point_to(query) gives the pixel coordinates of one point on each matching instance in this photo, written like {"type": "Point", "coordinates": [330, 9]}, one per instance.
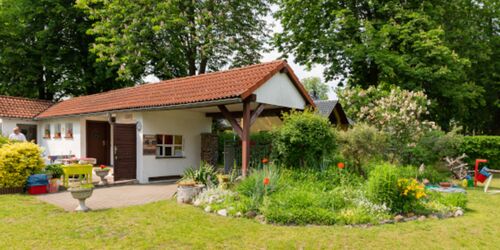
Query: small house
{"type": "Point", "coordinates": [155, 131]}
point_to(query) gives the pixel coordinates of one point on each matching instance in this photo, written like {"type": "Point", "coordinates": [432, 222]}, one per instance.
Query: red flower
{"type": "Point", "coordinates": [266, 181]}
{"type": "Point", "coordinates": [265, 161]}
{"type": "Point", "coordinates": [102, 166]}
{"type": "Point", "coordinates": [340, 165]}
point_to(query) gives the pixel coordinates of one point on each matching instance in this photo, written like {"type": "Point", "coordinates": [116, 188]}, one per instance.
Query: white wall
{"type": "Point", "coordinates": [189, 124]}
{"type": "Point", "coordinates": [8, 124]}
{"type": "Point", "coordinates": [62, 146]}
{"type": "Point", "coordinates": [280, 91]}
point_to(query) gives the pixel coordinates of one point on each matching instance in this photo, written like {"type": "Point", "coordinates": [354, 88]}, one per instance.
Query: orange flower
{"type": "Point", "coordinates": [266, 181]}
{"type": "Point", "coordinates": [265, 161]}
{"type": "Point", "coordinates": [340, 165]}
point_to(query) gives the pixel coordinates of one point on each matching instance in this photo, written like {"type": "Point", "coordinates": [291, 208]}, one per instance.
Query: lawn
{"type": "Point", "coordinates": [26, 223]}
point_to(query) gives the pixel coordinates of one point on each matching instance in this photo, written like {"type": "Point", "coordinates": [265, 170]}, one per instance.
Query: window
{"type": "Point", "coordinates": [46, 131]}
{"type": "Point", "coordinates": [57, 130]}
{"type": "Point", "coordinates": [69, 130]}
{"type": "Point", "coordinates": [169, 146]}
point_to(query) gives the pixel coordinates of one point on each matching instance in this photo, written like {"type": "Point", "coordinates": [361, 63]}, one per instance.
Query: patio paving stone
{"type": "Point", "coordinates": [115, 196]}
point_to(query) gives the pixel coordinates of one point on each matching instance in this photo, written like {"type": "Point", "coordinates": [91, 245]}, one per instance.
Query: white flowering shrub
{"type": "Point", "coordinates": [399, 113]}
{"type": "Point", "coordinates": [213, 196]}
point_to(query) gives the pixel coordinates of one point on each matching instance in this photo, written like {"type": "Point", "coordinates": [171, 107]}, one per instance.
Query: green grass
{"type": "Point", "coordinates": [26, 223]}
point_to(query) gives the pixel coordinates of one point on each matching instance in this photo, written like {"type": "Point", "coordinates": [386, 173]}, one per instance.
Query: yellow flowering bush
{"type": "Point", "coordinates": [411, 188]}
{"type": "Point", "coordinates": [17, 162]}
{"type": "Point", "coordinates": [411, 191]}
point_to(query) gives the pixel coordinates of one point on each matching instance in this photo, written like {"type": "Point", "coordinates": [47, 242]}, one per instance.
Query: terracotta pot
{"type": "Point", "coordinates": [445, 184]}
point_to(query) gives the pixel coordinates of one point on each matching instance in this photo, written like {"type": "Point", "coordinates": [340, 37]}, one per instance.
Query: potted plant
{"type": "Point", "coordinates": [47, 133]}
{"type": "Point", "coordinates": [55, 172]}
{"type": "Point", "coordinates": [102, 171]}
{"type": "Point", "coordinates": [81, 191]}
{"type": "Point", "coordinates": [186, 190]}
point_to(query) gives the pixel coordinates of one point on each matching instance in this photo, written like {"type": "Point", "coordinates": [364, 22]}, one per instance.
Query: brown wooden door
{"type": "Point", "coordinates": [125, 151]}
{"type": "Point", "coordinates": [98, 141]}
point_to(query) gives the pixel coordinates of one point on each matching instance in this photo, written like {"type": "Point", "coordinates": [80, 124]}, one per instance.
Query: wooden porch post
{"type": "Point", "coordinates": [243, 131]}
{"type": "Point", "coordinates": [245, 138]}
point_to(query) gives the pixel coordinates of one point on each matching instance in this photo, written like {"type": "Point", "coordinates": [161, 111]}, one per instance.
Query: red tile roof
{"type": "Point", "coordinates": [18, 107]}
{"type": "Point", "coordinates": [233, 83]}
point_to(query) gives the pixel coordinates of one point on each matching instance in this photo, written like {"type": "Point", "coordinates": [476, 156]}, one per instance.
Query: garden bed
{"type": "Point", "coordinates": [331, 197]}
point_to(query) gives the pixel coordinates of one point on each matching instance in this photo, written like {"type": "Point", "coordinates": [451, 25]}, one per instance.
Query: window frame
{"type": "Point", "coordinates": [57, 129]}
{"type": "Point", "coordinates": [66, 127]}
{"type": "Point", "coordinates": [173, 145]}
{"type": "Point", "coordinates": [46, 128]}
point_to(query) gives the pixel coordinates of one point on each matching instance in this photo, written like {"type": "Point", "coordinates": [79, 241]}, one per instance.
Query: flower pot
{"type": "Point", "coordinates": [185, 194]}
{"type": "Point", "coordinates": [102, 174]}
{"type": "Point", "coordinates": [54, 185]}
{"type": "Point", "coordinates": [81, 194]}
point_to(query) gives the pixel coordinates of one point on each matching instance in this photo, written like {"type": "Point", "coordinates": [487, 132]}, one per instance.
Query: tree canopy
{"type": "Point", "coordinates": [44, 51]}
{"type": "Point", "coordinates": [446, 48]}
{"type": "Point", "coordinates": [317, 89]}
{"type": "Point", "coordinates": [175, 37]}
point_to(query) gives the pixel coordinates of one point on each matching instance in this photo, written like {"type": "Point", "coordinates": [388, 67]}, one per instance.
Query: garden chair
{"type": "Point", "coordinates": [488, 182]}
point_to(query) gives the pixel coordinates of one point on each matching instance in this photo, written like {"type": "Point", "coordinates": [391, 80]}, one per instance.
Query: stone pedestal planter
{"type": "Point", "coordinates": [185, 194]}
{"type": "Point", "coordinates": [102, 174]}
{"type": "Point", "coordinates": [81, 194]}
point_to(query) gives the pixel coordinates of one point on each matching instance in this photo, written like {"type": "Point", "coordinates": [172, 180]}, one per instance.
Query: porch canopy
{"type": "Point", "coordinates": [250, 92]}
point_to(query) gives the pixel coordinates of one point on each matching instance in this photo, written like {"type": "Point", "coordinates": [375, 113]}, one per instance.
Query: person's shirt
{"type": "Point", "coordinates": [17, 137]}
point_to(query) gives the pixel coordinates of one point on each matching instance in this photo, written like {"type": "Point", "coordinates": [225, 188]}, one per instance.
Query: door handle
{"type": "Point", "coordinates": [104, 143]}
{"type": "Point", "coordinates": [115, 150]}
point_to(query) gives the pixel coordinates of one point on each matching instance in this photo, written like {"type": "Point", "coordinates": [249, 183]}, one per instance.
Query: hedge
{"type": "Point", "coordinates": [482, 147]}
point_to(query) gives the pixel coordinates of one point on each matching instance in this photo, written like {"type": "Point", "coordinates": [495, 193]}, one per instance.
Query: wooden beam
{"type": "Point", "coordinates": [239, 114]}
{"type": "Point", "coordinates": [256, 113]}
{"type": "Point", "coordinates": [245, 138]}
{"type": "Point", "coordinates": [228, 116]}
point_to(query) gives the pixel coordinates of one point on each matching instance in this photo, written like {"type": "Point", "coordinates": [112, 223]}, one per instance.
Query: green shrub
{"type": "Point", "coordinates": [303, 206]}
{"type": "Point", "coordinates": [3, 141]}
{"type": "Point", "coordinates": [451, 200]}
{"type": "Point", "coordinates": [253, 185]}
{"type": "Point", "coordinates": [205, 174]}
{"type": "Point", "coordinates": [382, 186]}
{"type": "Point", "coordinates": [17, 162]}
{"type": "Point", "coordinates": [482, 147]}
{"type": "Point", "coordinates": [355, 215]}
{"type": "Point", "coordinates": [304, 140]}
{"type": "Point", "coordinates": [432, 147]}
{"type": "Point", "coordinates": [361, 144]}
{"type": "Point", "coordinates": [325, 179]}
{"type": "Point", "coordinates": [430, 173]}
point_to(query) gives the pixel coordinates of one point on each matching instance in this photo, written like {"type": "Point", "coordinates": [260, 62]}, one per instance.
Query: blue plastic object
{"type": "Point", "coordinates": [37, 180]}
{"type": "Point", "coordinates": [484, 171]}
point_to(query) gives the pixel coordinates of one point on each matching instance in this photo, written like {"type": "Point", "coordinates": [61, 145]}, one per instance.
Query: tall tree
{"type": "Point", "coordinates": [317, 89]}
{"type": "Point", "coordinates": [406, 43]}
{"type": "Point", "coordinates": [170, 38]}
{"type": "Point", "coordinates": [44, 51]}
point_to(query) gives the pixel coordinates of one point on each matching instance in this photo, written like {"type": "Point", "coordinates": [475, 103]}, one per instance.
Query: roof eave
{"type": "Point", "coordinates": [152, 108]}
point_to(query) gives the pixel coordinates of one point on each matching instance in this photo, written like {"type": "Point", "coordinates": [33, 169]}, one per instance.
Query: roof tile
{"type": "Point", "coordinates": [231, 83]}
{"type": "Point", "coordinates": [19, 107]}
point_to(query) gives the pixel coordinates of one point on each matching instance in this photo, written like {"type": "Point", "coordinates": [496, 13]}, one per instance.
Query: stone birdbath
{"type": "Point", "coordinates": [81, 193]}
{"type": "Point", "coordinates": [102, 171]}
